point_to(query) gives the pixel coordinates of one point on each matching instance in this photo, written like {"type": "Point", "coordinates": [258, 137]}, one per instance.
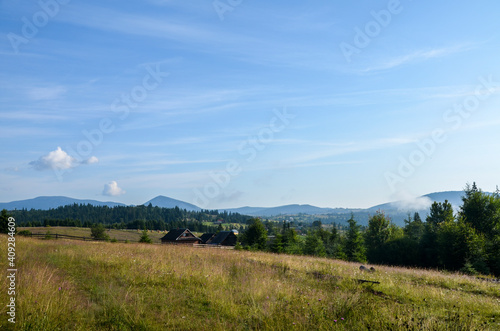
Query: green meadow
{"type": "Point", "coordinates": [130, 235]}
{"type": "Point", "coordinates": [76, 285]}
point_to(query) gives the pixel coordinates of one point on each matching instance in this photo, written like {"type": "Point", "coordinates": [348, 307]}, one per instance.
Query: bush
{"type": "Point", "coordinates": [24, 233]}
{"type": "Point", "coordinates": [145, 238]}
{"type": "Point", "coordinates": [98, 232]}
{"type": "Point", "coordinates": [238, 246]}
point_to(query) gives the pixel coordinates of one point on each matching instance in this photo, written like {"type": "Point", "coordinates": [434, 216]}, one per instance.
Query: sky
{"type": "Point", "coordinates": [237, 103]}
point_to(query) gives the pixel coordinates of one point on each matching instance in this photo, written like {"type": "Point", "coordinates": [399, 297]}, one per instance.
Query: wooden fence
{"type": "Point", "coordinates": [213, 246]}
{"type": "Point", "coordinates": [65, 236]}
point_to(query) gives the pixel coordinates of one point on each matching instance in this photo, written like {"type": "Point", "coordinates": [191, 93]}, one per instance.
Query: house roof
{"type": "Point", "coordinates": [175, 235]}
{"type": "Point", "coordinates": [206, 237]}
{"type": "Point", "coordinates": [221, 237]}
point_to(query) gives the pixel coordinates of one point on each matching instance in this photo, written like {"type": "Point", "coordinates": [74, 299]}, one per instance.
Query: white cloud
{"type": "Point", "coordinates": [46, 93]}
{"type": "Point", "coordinates": [112, 189]}
{"type": "Point", "coordinates": [59, 160]}
{"type": "Point", "coordinates": [91, 160]}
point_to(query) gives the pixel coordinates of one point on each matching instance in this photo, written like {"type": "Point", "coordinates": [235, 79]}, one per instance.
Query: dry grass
{"type": "Point", "coordinates": [107, 286]}
{"type": "Point", "coordinates": [130, 235]}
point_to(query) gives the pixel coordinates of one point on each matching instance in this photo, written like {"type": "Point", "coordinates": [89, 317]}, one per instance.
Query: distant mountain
{"type": "Point", "coordinates": [397, 210]}
{"type": "Point", "coordinates": [46, 203]}
{"type": "Point", "coordinates": [453, 197]}
{"type": "Point", "coordinates": [422, 203]}
{"type": "Point", "coordinates": [166, 202]}
{"type": "Point", "coordinates": [287, 210]}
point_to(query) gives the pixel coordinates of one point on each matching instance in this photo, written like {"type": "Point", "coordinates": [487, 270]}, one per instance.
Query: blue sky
{"type": "Point", "coordinates": [233, 103]}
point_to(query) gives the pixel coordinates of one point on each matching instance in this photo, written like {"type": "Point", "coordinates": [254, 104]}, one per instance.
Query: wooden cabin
{"type": "Point", "coordinates": [206, 238]}
{"type": "Point", "coordinates": [180, 236]}
{"type": "Point", "coordinates": [224, 238]}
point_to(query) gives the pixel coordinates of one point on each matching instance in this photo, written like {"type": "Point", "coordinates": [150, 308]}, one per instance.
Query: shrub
{"type": "Point", "coordinates": [24, 233]}
{"type": "Point", "coordinates": [145, 238]}
{"type": "Point", "coordinates": [98, 232]}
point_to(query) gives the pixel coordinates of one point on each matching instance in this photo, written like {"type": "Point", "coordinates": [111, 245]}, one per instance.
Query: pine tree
{"type": "Point", "coordinates": [145, 238]}
{"type": "Point", "coordinates": [4, 221]}
{"type": "Point", "coordinates": [277, 245]}
{"type": "Point", "coordinates": [440, 213]}
{"type": "Point", "coordinates": [376, 236]}
{"type": "Point", "coordinates": [256, 235]}
{"type": "Point", "coordinates": [314, 245]}
{"type": "Point", "coordinates": [354, 248]}
{"type": "Point", "coordinates": [98, 232]}
{"type": "Point", "coordinates": [481, 210]}
{"type": "Point", "coordinates": [414, 228]}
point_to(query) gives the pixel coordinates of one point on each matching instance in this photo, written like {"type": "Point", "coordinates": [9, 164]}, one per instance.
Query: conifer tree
{"type": "Point", "coordinates": [354, 248]}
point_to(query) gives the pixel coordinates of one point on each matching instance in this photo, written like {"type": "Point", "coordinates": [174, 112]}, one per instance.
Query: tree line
{"type": "Point", "coordinates": [468, 241]}
{"type": "Point", "coordinates": [126, 217]}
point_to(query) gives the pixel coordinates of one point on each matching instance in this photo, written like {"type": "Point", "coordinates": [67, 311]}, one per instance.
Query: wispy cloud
{"type": "Point", "coordinates": [317, 151]}
{"type": "Point", "coordinates": [139, 25]}
{"type": "Point", "coordinates": [417, 56]}
{"type": "Point", "coordinates": [46, 93]}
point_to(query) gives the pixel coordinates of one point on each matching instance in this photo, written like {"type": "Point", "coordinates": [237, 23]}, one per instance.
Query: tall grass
{"type": "Point", "coordinates": [71, 285]}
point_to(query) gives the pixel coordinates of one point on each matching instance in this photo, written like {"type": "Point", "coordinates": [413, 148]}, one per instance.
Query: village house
{"type": "Point", "coordinates": [224, 238]}
{"type": "Point", "coordinates": [180, 236]}
{"type": "Point", "coordinates": [206, 238]}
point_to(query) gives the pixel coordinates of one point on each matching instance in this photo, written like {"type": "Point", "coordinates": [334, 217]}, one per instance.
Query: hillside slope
{"type": "Point", "coordinates": [91, 286]}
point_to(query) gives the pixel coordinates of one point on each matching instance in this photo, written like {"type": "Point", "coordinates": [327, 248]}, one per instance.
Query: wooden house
{"type": "Point", "coordinates": [180, 236]}
{"type": "Point", "coordinates": [206, 238]}
{"type": "Point", "coordinates": [224, 238]}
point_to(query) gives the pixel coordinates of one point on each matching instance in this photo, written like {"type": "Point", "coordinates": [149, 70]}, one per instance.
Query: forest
{"type": "Point", "coordinates": [466, 241]}
{"type": "Point", "coordinates": [129, 217]}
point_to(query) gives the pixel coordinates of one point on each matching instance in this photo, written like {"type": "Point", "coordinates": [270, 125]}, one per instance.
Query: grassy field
{"type": "Point", "coordinates": [76, 285]}
{"type": "Point", "coordinates": [130, 235]}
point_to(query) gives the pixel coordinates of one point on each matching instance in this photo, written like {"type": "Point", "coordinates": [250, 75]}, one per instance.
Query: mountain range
{"type": "Point", "coordinates": [420, 204]}
{"type": "Point", "coordinates": [51, 202]}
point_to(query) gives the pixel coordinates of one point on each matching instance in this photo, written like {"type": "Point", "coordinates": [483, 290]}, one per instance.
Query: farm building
{"type": "Point", "coordinates": [180, 236]}
{"type": "Point", "coordinates": [224, 238]}
{"type": "Point", "coordinates": [206, 238]}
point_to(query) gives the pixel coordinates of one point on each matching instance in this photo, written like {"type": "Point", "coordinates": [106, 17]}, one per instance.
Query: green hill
{"type": "Point", "coordinates": [73, 285]}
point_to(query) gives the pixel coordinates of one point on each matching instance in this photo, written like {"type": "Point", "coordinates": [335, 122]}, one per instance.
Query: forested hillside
{"type": "Point", "coordinates": [138, 217]}
{"type": "Point", "coordinates": [468, 241]}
